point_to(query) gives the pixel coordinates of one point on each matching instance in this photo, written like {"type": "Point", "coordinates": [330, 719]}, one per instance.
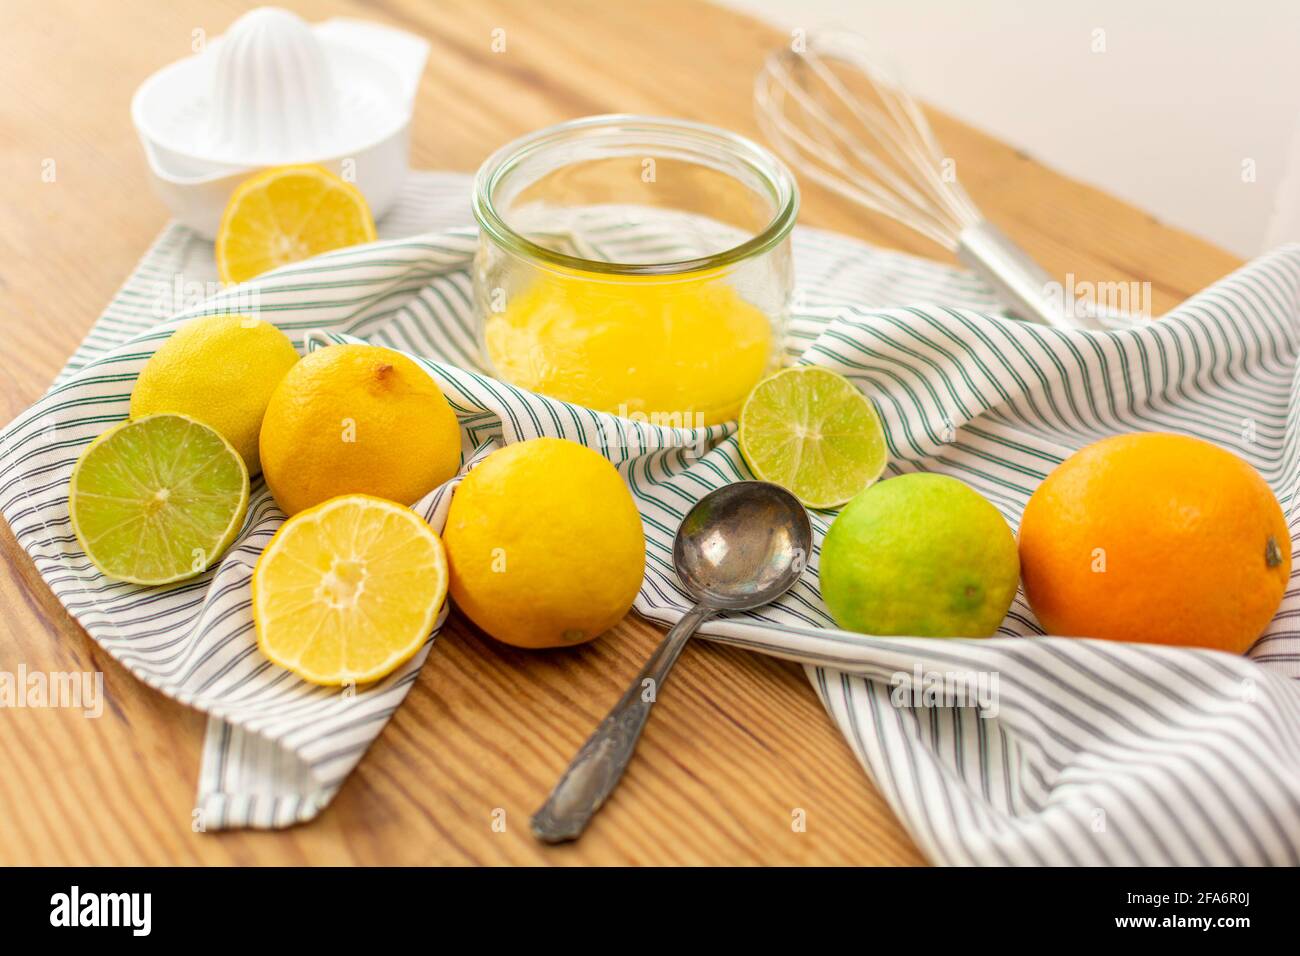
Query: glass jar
{"type": "Point", "coordinates": [635, 265]}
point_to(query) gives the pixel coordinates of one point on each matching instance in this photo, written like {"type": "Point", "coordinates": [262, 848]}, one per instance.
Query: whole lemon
{"type": "Point", "coordinates": [1155, 538]}
{"type": "Point", "coordinates": [544, 544]}
{"type": "Point", "coordinates": [920, 555]}
{"type": "Point", "coordinates": [221, 371]}
{"type": "Point", "coordinates": [357, 419]}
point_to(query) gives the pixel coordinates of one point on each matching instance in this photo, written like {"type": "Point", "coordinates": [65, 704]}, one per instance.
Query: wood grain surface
{"type": "Point", "coordinates": [738, 742]}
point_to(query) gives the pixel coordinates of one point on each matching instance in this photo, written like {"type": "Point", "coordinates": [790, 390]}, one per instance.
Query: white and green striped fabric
{"type": "Point", "coordinates": [1082, 751]}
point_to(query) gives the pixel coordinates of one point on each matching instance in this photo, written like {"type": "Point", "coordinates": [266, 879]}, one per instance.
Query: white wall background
{"type": "Point", "coordinates": [1183, 95]}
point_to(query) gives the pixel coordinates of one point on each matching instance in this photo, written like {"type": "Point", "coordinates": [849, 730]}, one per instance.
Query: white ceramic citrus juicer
{"type": "Point", "coordinates": [275, 90]}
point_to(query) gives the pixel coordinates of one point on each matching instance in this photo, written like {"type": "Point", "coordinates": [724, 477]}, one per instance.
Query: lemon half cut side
{"type": "Point", "coordinates": [287, 214]}
{"type": "Point", "coordinates": [347, 591]}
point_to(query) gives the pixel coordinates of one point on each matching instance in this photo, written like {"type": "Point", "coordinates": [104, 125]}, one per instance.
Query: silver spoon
{"type": "Point", "coordinates": [740, 547]}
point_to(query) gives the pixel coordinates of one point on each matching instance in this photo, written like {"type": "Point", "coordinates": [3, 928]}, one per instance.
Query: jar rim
{"type": "Point", "coordinates": [771, 172]}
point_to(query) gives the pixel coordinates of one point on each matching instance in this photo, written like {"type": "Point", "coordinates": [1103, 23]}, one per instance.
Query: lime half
{"type": "Point", "coordinates": [810, 430]}
{"type": "Point", "coordinates": [157, 499]}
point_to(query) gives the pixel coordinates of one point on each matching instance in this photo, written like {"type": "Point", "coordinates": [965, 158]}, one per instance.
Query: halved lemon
{"type": "Point", "coordinates": [287, 214]}
{"type": "Point", "coordinates": [346, 592]}
{"type": "Point", "coordinates": [813, 432]}
{"type": "Point", "coordinates": [157, 499]}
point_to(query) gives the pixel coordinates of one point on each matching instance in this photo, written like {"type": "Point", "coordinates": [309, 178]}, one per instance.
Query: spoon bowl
{"type": "Point", "coordinates": [742, 546]}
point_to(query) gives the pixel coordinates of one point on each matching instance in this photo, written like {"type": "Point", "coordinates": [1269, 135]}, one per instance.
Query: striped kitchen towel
{"type": "Point", "coordinates": [1039, 751]}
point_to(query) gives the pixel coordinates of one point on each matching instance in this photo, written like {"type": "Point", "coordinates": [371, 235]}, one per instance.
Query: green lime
{"type": "Point", "coordinates": [921, 555]}
{"type": "Point", "coordinates": [157, 499]}
{"type": "Point", "coordinates": [810, 430]}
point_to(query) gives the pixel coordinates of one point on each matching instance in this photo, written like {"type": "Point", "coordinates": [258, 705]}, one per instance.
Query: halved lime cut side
{"type": "Point", "coordinates": [157, 499]}
{"type": "Point", "coordinates": [811, 431]}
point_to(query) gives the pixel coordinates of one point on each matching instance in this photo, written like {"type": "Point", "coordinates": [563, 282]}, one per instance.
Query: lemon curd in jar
{"type": "Point", "coordinates": [682, 351]}
{"type": "Point", "coordinates": [635, 266]}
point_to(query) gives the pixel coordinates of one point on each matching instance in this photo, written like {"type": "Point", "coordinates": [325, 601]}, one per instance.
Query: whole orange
{"type": "Point", "coordinates": [1155, 538]}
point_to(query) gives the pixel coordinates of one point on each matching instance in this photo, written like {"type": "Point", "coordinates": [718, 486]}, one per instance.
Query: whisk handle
{"type": "Point", "coordinates": [1020, 282]}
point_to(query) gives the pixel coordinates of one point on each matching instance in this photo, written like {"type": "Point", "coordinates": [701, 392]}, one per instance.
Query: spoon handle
{"type": "Point", "coordinates": [597, 768]}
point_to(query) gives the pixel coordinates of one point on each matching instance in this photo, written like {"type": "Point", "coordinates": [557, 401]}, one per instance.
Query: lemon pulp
{"type": "Point", "coordinates": [286, 214]}
{"type": "Point", "coordinates": [682, 350]}
{"type": "Point", "coordinates": [348, 591]}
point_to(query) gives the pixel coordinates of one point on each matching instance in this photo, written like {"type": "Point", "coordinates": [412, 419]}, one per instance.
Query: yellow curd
{"type": "Point", "coordinates": [683, 350]}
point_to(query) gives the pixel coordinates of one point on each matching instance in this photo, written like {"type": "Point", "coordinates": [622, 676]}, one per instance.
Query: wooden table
{"type": "Point", "coordinates": [739, 741]}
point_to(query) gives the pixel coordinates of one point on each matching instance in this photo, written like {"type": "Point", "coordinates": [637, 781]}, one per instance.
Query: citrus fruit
{"type": "Point", "coordinates": [221, 370]}
{"type": "Point", "coordinates": [357, 419]}
{"type": "Point", "coordinates": [545, 544]}
{"type": "Point", "coordinates": [286, 214]}
{"type": "Point", "coordinates": [1155, 538]}
{"type": "Point", "coordinates": [346, 592]}
{"type": "Point", "coordinates": [813, 432]}
{"type": "Point", "coordinates": [921, 555]}
{"type": "Point", "coordinates": [681, 350]}
{"type": "Point", "coordinates": [157, 499]}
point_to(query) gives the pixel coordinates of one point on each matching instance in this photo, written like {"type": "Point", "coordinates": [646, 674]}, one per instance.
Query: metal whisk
{"type": "Point", "coordinates": [874, 147]}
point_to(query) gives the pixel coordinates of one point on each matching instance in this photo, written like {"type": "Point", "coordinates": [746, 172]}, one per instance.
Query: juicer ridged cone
{"type": "Point", "coordinates": [272, 91]}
